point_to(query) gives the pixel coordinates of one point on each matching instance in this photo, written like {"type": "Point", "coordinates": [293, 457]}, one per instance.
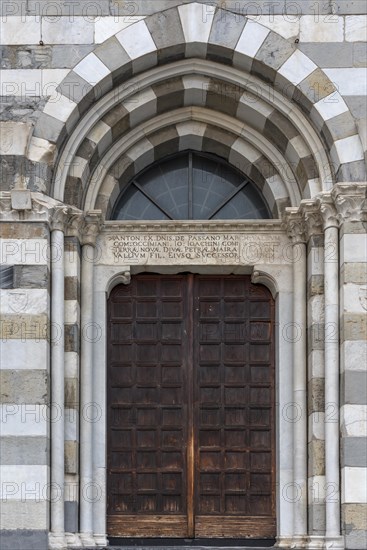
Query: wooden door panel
{"type": "Point", "coordinates": [147, 395]}
{"type": "Point", "coordinates": [234, 415]}
{"type": "Point", "coordinates": [191, 408]}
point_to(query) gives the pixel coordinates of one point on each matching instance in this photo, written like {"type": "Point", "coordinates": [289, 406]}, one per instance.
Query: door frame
{"type": "Point", "coordinates": [279, 280]}
{"type": "Point", "coordinates": [190, 284]}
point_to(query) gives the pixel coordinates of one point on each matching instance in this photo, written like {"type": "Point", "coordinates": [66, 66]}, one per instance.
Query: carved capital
{"type": "Point", "coordinates": [91, 227]}
{"type": "Point", "coordinates": [349, 200]}
{"type": "Point", "coordinates": [75, 223]}
{"type": "Point", "coordinates": [312, 217]}
{"type": "Point", "coordinates": [328, 212]}
{"type": "Point", "coordinates": [295, 226]}
{"type": "Point", "coordinates": [58, 218]}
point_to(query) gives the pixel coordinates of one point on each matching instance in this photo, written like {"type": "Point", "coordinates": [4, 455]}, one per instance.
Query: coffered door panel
{"type": "Point", "coordinates": [234, 408]}
{"type": "Point", "coordinates": [148, 397]}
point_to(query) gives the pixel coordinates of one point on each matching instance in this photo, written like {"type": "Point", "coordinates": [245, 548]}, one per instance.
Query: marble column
{"type": "Point", "coordinates": [89, 234]}
{"type": "Point", "coordinates": [296, 229]}
{"type": "Point", "coordinates": [57, 539]}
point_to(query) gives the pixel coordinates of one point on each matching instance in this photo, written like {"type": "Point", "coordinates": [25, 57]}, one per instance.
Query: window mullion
{"type": "Point", "coordinates": [226, 201]}
{"type": "Point", "coordinates": [149, 197]}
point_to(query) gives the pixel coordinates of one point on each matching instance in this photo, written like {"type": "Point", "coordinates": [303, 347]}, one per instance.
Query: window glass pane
{"type": "Point", "coordinates": [134, 205]}
{"type": "Point", "coordinates": [167, 184]}
{"type": "Point", "coordinates": [246, 205]}
{"type": "Point", "coordinates": [217, 192]}
{"type": "Point", "coordinates": [213, 182]}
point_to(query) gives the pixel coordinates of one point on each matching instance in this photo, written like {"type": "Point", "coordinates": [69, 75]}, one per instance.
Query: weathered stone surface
{"type": "Point", "coordinates": [66, 57]}
{"type": "Point", "coordinates": [354, 326]}
{"type": "Point", "coordinates": [354, 273]}
{"type": "Point", "coordinates": [14, 230]}
{"type": "Point", "coordinates": [31, 276]}
{"type": "Point", "coordinates": [316, 517]}
{"type": "Point", "coordinates": [354, 387]}
{"type": "Point", "coordinates": [14, 138]}
{"type": "Point", "coordinates": [316, 455]}
{"type": "Point", "coordinates": [356, 539]}
{"type": "Point", "coordinates": [166, 31]}
{"type": "Point", "coordinates": [315, 285]}
{"type": "Point", "coordinates": [24, 327]}
{"type": "Point", "coordinates": [71, 457]}
{"type": "Point", "coordinates": [71, 517]}
{"type": "Point", "coordinates": [20, 387]}
{"type": "Point", "coordinates": [352, 171]}
{"type": "Point", "coordinates": [24, 450]}
{"type": "Point", "coordinates": [18, 515]}
{"type": "Point", "coordinates": [21, 539]}
{"type": "Point", "coordinates": [353, 451]}
{"type": "Point", "coordinates": [71, 393]}
{"type": "Point", "coordinates": [316, 392]}
{"type": "Point", "coordinates": [354, 516]}
{"type": "Point", "coordinates": [72, 338]}
{"type": "Point", "coordinates": [271, 56]}
{"type": "Point", "coordinates": [316, 336]}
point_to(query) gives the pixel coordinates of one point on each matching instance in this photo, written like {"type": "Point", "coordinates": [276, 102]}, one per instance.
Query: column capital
{"type": "Point", "coordinates": [91, 227]}
{"type": "Point", "coordinates": [295, 225]}
{"type": "Point", "coordinates": [328, 211]}
{"type": "Point", "coordinates": [350, 200]}
{"type": "Point", "coordinates": [59, 218]}
{"type": "Point", "coordinates": [312, 218]}
{"type": "Point", "coordinates": [74, 222]}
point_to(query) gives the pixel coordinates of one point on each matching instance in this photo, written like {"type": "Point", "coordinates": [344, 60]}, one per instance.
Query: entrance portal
{"type": "Point", "coordinates": [191, 449]}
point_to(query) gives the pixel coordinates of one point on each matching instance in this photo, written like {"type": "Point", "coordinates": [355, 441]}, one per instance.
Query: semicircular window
{"type": "Point", "coordinates": [190, 186]}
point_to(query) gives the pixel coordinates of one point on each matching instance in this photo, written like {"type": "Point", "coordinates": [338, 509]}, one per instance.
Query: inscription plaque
{"type": "Point", "coordinates": [190, 248]}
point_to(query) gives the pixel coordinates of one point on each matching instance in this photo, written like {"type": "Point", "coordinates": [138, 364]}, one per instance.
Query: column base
{"type": "Point", "coordinates": [57, 541]}
{"type": "Point", "coordinates": [87, 540]}
{"type": "Point", "coordinates": [335, 543]}
{"type": "Point", "coordinates": [316, 542]}
{"type": "Point", "coordinates": [73, 540]}
{"type": "Point", "coordinates": [299, 542]}
{"type": "Point", "coordinates": [283, 542]}
{"type": "Point", "coordinates": [101, 540]}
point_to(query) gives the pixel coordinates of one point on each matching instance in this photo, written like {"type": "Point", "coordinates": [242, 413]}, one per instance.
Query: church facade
{"type": "Point", "coordinates": [183, 272]}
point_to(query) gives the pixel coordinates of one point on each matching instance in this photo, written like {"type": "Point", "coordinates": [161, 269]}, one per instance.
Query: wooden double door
{"type": "Point", "coordinates": [191, 408]}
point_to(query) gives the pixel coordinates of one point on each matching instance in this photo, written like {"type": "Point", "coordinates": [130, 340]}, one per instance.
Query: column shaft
{"type": "Point", "coordinates": [86, 397]}
{"type": "Point", "coordinates": [57, 383]}
{"type": "Point", "coordinates": [332, 382]}
{"type": "Point", "coordinates": [299, 390]}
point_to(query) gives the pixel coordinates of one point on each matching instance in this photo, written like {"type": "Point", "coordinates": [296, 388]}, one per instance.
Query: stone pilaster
{"type": "Point", "coordinates": [89, 231]}
{"type": "Point", "coordinates": [296, 231]}
{"type": "Point", "coordinates": [349, 201]}
{"type": "Point", "coordinates": [315, 371]}
{"type": "Point", "coordinates": [72, 375]}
